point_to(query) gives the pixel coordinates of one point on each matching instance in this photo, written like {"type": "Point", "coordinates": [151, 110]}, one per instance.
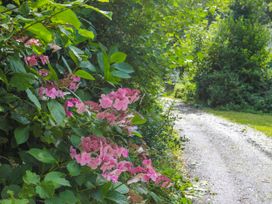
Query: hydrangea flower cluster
{"type": "Point", "coordinates": [32, 60]}
{"type": "Point", "coordinates": [50, 91]}
{"type": "Point", "coordinates": [53, 91]}
{"type": "Point", "coordinates": [99, 153]}
{"type": "Point", "coordinates": [112, 107]}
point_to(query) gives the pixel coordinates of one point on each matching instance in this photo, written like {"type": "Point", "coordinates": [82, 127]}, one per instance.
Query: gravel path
{"type": "Point", "coordinates": [236, 161]}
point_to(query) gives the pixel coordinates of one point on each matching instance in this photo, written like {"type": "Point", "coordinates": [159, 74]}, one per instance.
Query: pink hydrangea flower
{"type": "Point", "coordinates": [31, 60]}
{"type": "Point", "coordinates": [93, 106]}
{"type": "Point", "coordinates": [33, 42]}
{"type": "Point", "coordinates": [121, 104]}
{"type": "Point", "coordinates": [98, 153]}
{"type": "Point", "coordinates": [44, 59]}
{"type": "Point", "coordinates": [73, 102]}
{"type": "Point", "coordinates": [105, 101]}
{"type": "Point", "coordinates": [50, 91]}
{"type": "Point", "coordinates": [43, 72]}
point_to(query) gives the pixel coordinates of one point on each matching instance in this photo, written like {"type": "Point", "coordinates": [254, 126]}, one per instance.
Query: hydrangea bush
{"type": "Point", "coordinates": [68, 128]}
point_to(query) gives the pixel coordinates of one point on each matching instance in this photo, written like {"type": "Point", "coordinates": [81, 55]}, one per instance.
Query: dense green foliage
{"type": "Point", "coordinates": [56, 61]}
{"type": "Point", "coordinates": [230, 63]}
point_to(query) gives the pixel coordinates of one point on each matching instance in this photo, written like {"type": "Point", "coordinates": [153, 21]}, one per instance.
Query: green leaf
{"type": "Point", "coordinates": [57, 111]}
{"type": "Point", "coordinates": [120, 74]}
{"type": "Point", "coordinates": [87, 65]}
{"type": "Point", "coordinates": [68, 197]}
{"type": "Point", "coordinates": [121, 188]}
{"type": "Point", "coordinates": [16, 64]}
{"type": "Point", "coordinates": [3, 77]}
{"type": "Point", "coordinates": [104, 64]}
{"type": "Point", "coordinates": [67, 17]}
{"type": "Point", "coordinates": [33, 98]}
{"type": "Point", "coordinates": [118, 57]}
{"type": "Point", "coordinates": [42, 155]}
{"type": "Point", "coordinates": [104, 13]}
{"type": "Point", "coordinates": [75, 53]}
{"type": "Point", "coordinates": [22, 81]}
{"type": "Point", "coordinates": [21, 134]}
{"type": "Point", "coordinates": [13, 201]}
{"type": "Point", "coordinates": [73, 168]}
{"type": "Point", "coordinates": [40, 31]}
{"type": "Point", "coordinates": [155, 197]}
{"type": "Point", "coordinates": [86, 33]}
{"type": "Point", "coordinates": [85, 75]}
{"type": "Point", "coordinates": [123, 67]}
{"type": "Point", "coordinates": [117, 197]}
{"type": "Point", "coordinates": [46, 189]}
{"type": "Point", "coordinates": [10, 189]}
{"type": "Point", "coordinates": [138, 119]}
{"type": "Point", "coordinates": [31, 178]}
{"type": "Point", "coordinates": [57, 178]}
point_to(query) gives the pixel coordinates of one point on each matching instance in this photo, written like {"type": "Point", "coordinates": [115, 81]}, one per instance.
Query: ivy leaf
{"type": "Point", "coordinates": [31, 178]}
{"type": "Point", "coordinates": [21, 134]}
{"type": "Point", "coordinates": [57, 111]}
{"type": "Point", "coordinates": [85, 75]}
{"type": "Point", "coordinates": [42, 155]}
{"type": "Point", "coordinates": [40, 31]}
{"type": "Point", "coordinates": [57, 178]}
{"type": "Point", "coordinates": [118, 57]}
{"type": "Point", "coordinates": [33, 99]}
{"type": "Point", "coordinates": [73, 168]}
{"type": "Point", "coordinates": [67, 17]}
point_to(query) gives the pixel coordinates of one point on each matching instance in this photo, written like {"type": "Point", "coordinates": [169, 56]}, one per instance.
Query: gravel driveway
{"type": "Point", "coordinates": [236, 161]}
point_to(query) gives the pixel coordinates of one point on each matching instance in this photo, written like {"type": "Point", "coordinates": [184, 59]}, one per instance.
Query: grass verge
{"type": "Point", "coordinates": [258, 121]}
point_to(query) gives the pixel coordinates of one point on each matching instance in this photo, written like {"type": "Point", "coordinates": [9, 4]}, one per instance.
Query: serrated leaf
{"type": "Point", "coordinates": [21, 134]}
{"type": "Point", "coordinates": [42, 155]}
{"type": "Point", "coordinates": [31, 178]}
{"type": "Point", "coordinates": [57, 178]}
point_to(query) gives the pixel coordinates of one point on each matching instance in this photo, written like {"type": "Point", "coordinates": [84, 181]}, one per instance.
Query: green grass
{"type": "Point", "coordinates": [261, 122]}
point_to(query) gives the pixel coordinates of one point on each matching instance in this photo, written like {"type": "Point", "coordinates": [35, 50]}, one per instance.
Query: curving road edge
{"type": "Point", "coordinates": [235, 160]}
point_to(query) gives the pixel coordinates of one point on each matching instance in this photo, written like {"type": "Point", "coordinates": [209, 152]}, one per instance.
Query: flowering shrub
{"type": "Point", "coordinates": [57, 86]}
{"type": "Point", "coordinates": [98, 152]}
